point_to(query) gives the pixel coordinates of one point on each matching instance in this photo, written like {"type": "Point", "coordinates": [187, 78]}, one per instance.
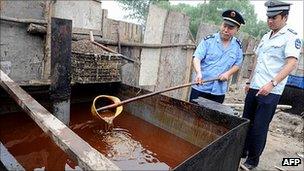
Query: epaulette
{"type": "Point", "coordinates": [239, 42]}
{"type": "Point", "coordinates": [292, 31]}
{"type": "Point", "coordinates": [208, 37]}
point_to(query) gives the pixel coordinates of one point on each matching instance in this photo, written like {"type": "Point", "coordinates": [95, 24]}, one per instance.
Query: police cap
{"type": "Point", "coordinates": [275, 7]}
{"type": "Point", "coordinates": [233, 18]}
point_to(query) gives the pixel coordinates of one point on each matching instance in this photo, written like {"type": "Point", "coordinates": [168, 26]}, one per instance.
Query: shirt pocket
{"type": "Point", "coordinates": [276, 51]}
{"type": "Point", "coordinates": [211, 58]}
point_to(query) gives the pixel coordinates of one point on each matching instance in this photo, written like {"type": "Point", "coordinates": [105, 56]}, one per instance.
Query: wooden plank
{"type": "Point", "coordinates": [130, 43]}
{"type": "Point", "coordinates": [130, 38]}
{"type": "Point", "coordinates": [244, 38]}
{"type": "Point", "coordinates": [131, 33]}
{"type": "Point", "coordinates": [130, 71]}
{"type": "Point", "coordinates": [60, 89]}
{"type": "Point", "coordinates": [84, 31]}
{"type": "Point", "coordinates": [22, 20]}
{"type": "Point", "coordinates": [7, 159]}
{"type": "Point", "coordinates": [153, 35]}
{"type": "Point", "coordinates": [175, 63]}
{"type": "Point", "coordinates": [87, 157]}
{"type": "Point", "coordinates": [242, 105]}
{"type": "Point", "coordinates": [85, 14]}
{"type": "Point", "coordinates": [205, 30]}
{"type": "Point", "coordinates": [247, 60]}
{"type": "Point", "coordinates": [186, 93]}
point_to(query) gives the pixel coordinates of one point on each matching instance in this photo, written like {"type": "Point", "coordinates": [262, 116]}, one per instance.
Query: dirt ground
{"type": "Point", "coordinates": [285, 137]}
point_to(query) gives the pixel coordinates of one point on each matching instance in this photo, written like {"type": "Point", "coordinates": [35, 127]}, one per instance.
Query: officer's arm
{"type": "Point", "coordinates": [226, 75]}
{"type": "Point", "coordinates": [197, 69]}
{"type": "Point", "coordinates": [292, 52]}
{"type": "Point", "coordinates": [198, 56]}
{"type": "Point", "coordinates": [291, 63]}
{"type": "Point", "coordinates": [233, 70]}
{"type": "Point", "coordinates": [197, 65]}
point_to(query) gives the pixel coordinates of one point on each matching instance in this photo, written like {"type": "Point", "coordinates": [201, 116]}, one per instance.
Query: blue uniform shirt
{"type": "Point", "coordinates": [215, 60]}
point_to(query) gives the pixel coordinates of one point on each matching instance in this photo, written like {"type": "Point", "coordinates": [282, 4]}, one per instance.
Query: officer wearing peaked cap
{"type": "Point", "coordinates": [218, 55]}
{"type": "Point", "coordinates": [233, 18]}
{"type": "Point", "coordinates": [277, 55]}
{"type": "Point", "coordinates": [275, 7]}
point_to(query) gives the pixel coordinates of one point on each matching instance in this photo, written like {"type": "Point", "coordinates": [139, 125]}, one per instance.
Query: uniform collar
{"type": "Point", "coordinates": [283, 30]}
{"type": "Point", "coordinates": [218, 38]}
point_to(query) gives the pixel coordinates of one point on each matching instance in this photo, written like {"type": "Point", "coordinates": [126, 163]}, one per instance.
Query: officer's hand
{"type": "Point", "coordinates": [246, 88]}
{"type": "Point", "coordinates": [199, 78]}
{"type": "Point", "coordinates": [265, 90]}
{"type": "Point", "coordinates": [224, 77]}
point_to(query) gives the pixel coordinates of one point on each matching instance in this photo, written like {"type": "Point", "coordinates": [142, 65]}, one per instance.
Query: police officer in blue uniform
{"type": "Point", "coordinates": [217, 56]}
{"type": "Point", "coordinates": [277, 55]}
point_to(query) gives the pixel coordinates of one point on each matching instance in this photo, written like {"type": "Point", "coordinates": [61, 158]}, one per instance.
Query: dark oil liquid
{"type": "Point", "coordinates": [31, 147]}
{"type": "Point", "coordinates": [132, 144]}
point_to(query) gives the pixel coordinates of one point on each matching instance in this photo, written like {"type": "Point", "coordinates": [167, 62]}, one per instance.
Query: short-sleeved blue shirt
{"type": "Point", "coordinates": [215, 60]}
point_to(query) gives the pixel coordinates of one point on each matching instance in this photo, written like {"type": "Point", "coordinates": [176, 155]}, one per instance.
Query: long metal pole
{"type": "Point", "coordinates": [151, 94]}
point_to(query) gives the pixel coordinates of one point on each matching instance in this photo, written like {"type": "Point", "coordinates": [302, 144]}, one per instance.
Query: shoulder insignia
{"type": "Point", "coordinates": [208, 37]}
{"type": "Point", "coordinates": [239, 42]}
{"type": "Point", "coordinates": [292, 31]}
{"type": "Point", "coordinates": [298, 43]}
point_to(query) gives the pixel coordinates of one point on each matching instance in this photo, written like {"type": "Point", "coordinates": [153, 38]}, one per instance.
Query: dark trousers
{"type": "Point", "coordinates": [195, 94]}
{"type": "Point", "coordinates": [259, 110]}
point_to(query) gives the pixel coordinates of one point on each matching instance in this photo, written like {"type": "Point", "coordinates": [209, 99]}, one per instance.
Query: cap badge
{"type": "Point", "coordinates": [232, 14]}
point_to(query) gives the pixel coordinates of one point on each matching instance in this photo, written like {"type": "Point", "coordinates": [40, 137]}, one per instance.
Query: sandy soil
{"type": "Point", "coordinates": [285, 137]}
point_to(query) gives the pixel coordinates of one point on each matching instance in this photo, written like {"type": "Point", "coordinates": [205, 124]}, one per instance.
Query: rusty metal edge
{"type": "Point", "coordinates": [87, 157]}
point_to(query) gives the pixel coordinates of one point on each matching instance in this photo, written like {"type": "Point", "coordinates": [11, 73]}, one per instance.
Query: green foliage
{"type": "Point", "coordinates": [253, 26]}
{"type": "Point", "coordinates": [139, 8]}
{"type": "Point", "coordinates": [204, 12]}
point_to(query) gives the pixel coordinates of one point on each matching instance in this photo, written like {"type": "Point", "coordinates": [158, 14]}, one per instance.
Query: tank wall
{"type": "Point", "coordinates": [220, 135]}
{"type": "Point", "coordinates": [198, 125]}
{"type": "Point", "coordinates": [223, 154]}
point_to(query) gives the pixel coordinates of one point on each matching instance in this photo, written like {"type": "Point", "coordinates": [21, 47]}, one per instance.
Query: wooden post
{"type": "Point", "coordinates": [46, 68]}
{"type": "Point", "coordinates": [61, 68]}
{"type": "Point", "coordinates": [91, 36]}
